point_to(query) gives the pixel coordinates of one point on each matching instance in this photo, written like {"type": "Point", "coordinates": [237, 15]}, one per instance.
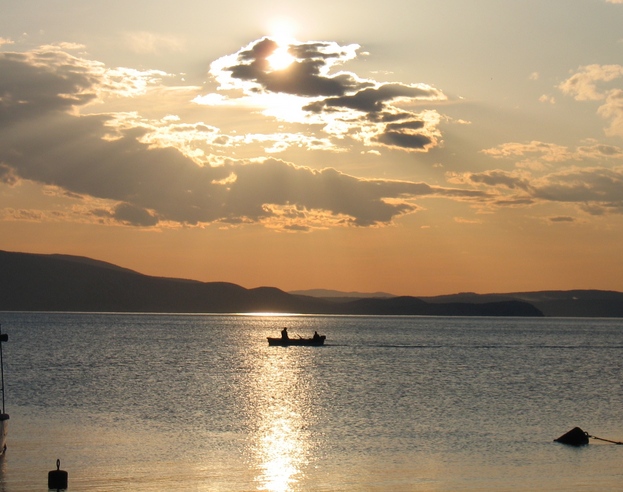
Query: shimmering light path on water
{"type": "Point", "coordinates": [202, 403]}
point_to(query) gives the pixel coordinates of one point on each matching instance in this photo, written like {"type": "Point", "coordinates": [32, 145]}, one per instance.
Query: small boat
{"type": "Point", "coordinates": [4, 417]}
{"type": "Point", "coordinates": [286, 342]}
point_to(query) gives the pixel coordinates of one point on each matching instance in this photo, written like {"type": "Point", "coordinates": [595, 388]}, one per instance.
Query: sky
{"type": "Point", "coordinates": [416, 147]}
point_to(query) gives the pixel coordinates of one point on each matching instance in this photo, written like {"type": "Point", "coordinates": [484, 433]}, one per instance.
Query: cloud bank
{"type": "Point", "coordinates": [592, 188]}
{"type": "Point", "coordinates": [49, 134]}
{"type": "Point", "coordinates": [125, 168]}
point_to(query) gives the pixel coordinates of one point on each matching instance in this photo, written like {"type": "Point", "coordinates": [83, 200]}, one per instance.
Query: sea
{"type": "Point", "coordinates": [145, 402]}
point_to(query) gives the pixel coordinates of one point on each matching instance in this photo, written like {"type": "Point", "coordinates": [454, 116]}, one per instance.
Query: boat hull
{"type": "Point", "coordinates": [309, 342]}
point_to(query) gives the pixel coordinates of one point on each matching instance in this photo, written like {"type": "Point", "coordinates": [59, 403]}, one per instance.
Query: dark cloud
{"type": "Point", "coordinates": [404, 140]}
{"type": "Point", "coordinates": [276, 182]}
{"type": "Point", "coordinates": [596, 190]}
{"type": "Point", "coordinates": [500, 178]}
{"type": "Point", "coordinates": [303, 77]}
{"type": "Point", "coordinates": [69, 153]}
{"type": "Point", "coordinates": [30, 85]}
{"type": "Point", "coordinates": [318, 50]}
{"type": "Point", "coordinates": [403, 130]}
{"type": "Point", "coordinates": [584, 185]}
{"type": "Point", "coordinates": [373, 100]}
{"type": "Point", "coordinates": [409, 135]}
{"type": "Point", "coordinates": [133, 215]}
{"type": "Point", "coordinates": [359, 104]}
{"type": "Point", "coordinates": [514, 202]}
{"type": "Point", "coordinates": [390, 116]}
{"type": "Point", "coordinates": [407, 125]}
{"type": "Point", "coordinates": [609, 150]}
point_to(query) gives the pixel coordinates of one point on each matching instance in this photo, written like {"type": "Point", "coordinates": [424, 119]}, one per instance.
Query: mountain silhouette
{"type": "Point", "coordinates": [37, 282]}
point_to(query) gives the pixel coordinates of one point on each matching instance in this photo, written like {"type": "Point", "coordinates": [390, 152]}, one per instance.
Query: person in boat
{"type": "Point", "coordinates": [284, 334]}
{"type": "Point", "coordinates": [316, 336]}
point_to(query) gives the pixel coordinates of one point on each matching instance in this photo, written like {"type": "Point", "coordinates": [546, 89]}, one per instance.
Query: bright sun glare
{"type": "Point", "coordinates": [280, 59]}
{"type": "Point", "coordinates": [282, 34]}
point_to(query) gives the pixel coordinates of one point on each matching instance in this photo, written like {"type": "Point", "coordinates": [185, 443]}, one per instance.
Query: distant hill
{"type": "Point", "coordinates": [553, 303]}
{"type": "Point", "coordinates": [35, 282]}
{"type": "Point", "coordinates": [569, 303]}
{"type": "Point", "coordinates": [326, 293]}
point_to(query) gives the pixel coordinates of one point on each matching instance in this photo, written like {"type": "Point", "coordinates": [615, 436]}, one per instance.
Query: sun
{"type": "Point", "coordinates": [281, 58]}
{"type": "Point", "coordinates": [282, 33]}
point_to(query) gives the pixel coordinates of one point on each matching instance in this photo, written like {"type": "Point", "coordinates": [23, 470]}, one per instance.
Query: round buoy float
{"type": "Point", "coordinates": [57, 479]}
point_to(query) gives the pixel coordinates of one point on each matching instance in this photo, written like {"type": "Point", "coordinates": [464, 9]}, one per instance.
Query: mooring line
{"type": "Point", "coordinates": [606, 440]}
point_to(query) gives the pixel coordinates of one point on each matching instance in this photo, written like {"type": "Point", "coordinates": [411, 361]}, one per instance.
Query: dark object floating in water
{"type": "Point", "coordinates": [575, 437]}
{"type": "Point", "coordinates": [57, 479]}
{"type": "Point", "coordinates": [286, 342]}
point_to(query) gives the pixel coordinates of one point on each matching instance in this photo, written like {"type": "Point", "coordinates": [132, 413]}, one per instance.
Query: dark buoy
{"type": "Point", "coordinates": [57, 479]}
{"type": "Point", "coordinates": [575, 437]}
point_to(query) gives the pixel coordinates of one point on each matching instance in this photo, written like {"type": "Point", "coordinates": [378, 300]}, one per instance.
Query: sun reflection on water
{"type": "Point", "coordinates": [280, 407]}
{"type": "Point", "coordinates": [279, 450]}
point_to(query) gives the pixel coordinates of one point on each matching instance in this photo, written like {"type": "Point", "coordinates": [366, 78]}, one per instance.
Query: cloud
{"type": "Point", "coordinates": [547, 99]}
{"type": "Point", "coordinates": [346, 105]}
{"type": "Point", "coordinates": [593, 187]}
{"type": "Point", "coordinates": [373, 100]}
{"type": "Point", "coordinates": [583, 86]}
{"type": "Point", "coordinates": [595, 190]}
{"type": "Point", "coordinates": [546, 151]}
{"type": "Point", "coordinates": [599, 151]}
{"type": "Point", "coordinates": [553, 153]}
{"type": "Point", "coordinates": [133, 215]}
{"type": "Point", "coordinates": [308, 75]}
{"type": "Point", "coordinates": [500, 178]}
{"type": "Point", "coordinates": [613, 110]}
{"type": "Point", "coordinates": [7, 175]}
{"type": "Point", "coordinates": [22, 215]}
{"type": "Point", "coordinates": [600, 187]}
{"type": "Point", "coordinates": [42, 82]}
{"type": "Point", "coordinates": [117, 159]}
{"type": "Point", "coordinates": [397, 129]}
{"type": "Point", "coordinates": [463, 220]}
{"type": "Point", "coordinates": [122, 167]}
{"type": "Point", "coordinates": [401, 136]}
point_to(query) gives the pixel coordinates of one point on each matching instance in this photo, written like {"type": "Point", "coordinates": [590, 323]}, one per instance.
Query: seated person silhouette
{"type": "Point", "coordinates": [284, 334]}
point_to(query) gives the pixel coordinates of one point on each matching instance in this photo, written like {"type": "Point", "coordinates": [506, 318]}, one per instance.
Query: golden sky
{"type": "Point", "coordinates": [416, 147]}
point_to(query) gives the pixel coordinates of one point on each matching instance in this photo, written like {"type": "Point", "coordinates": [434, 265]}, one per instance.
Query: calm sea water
{"type": "Point", "coordinates": [202, 403]}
